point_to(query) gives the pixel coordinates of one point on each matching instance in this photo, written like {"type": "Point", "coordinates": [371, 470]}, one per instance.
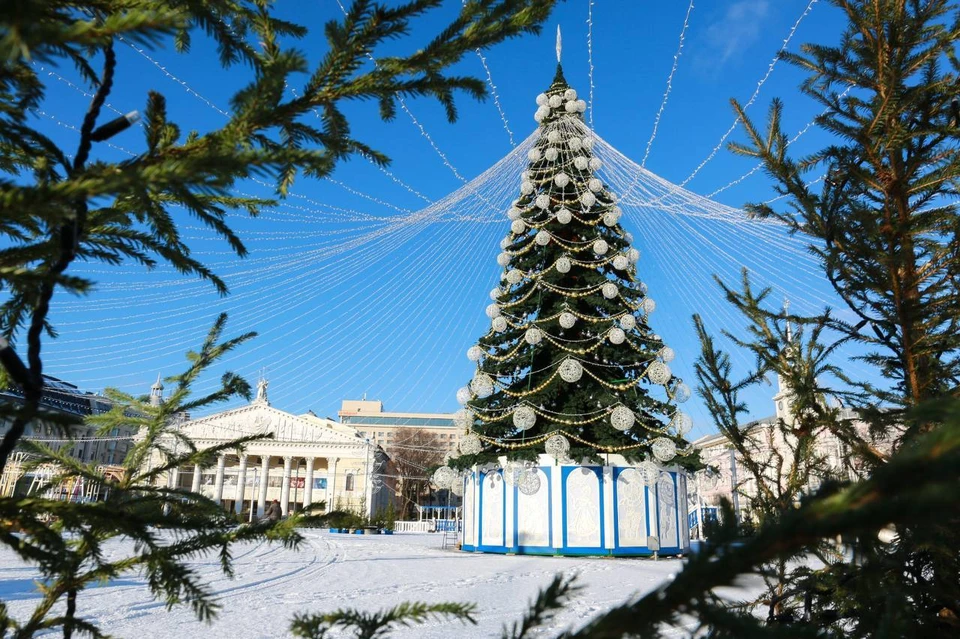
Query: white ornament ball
{"type": "Point", "coordinates": [595, 164]}
{"type": "Point", "coordinates": [616, 336]}
{"type": "Point", "coordinates": [649, 471]}
{"type": "Point", "coordinates": [526, 187]}
{"type": "Point", "coordinates": [514, 276]}
{"type": "Point", "coordinates": [470, 444]}
{"type": "Point", "coordinates": [463, 418]}
{"type": "Point", "coordinates": [658, 373]}
{"type": "Point", "coordinates": [609, 290]}
{"type": "Point", "coordinates": [564, 216]}
{"type": "Point", "coordinates": [503, 259]}
{"type": "Point", "coordinates": [555, 101]}
{"type": "Point", "coordinates": [563, 265]}
{"type": "Point", "coordinates": [499, 324]}
{"type": "Point", "coordinates": [543, 201]}
{"type": "Point", "coordinates": [557, 446]}
{"type": "Point", "coordinates": [533, 155]}
{"type": "Point", "coordinates": [533, 336]}
{"type": "Point", "coordinates": [463, 395]}
{"type": "Point", "coordinates": [681, 423]}
{"type": "Point", "coordinates": [541, 113]}
{"type": "Point", "coordinates": [525, 175]}
{"type": "Point", "coordinates": [633, 255]}
{"type": "Point", "coordinates": [610, 218]}
{"type": "Point", "coordinates": [524, 418]}
{"type": "Point", "coordinates": [642, 287]}
{"type": "Point", "coordinates": [542, 99]}
{"type": "Point", "coordinates": [681, 393]}
{"type": "Point", "coordinates": [600, 247]}
{"type": "Point", "coordinates": [628, 321]}
{"type": "Point", "coordinates": [588, 199]}
{"type": "Point", "coordinates": [574, 144]}
{"type": "Point", "coordinates": [493, 310]}
{"type": "Point", "coordinates": [581, 105]}
{"type": "Point", "coordinates": [570, 94]}
{"type": "Point", "coordinates": [513, 213]}
{"type": "Point", "coordinates": [588, 143]}
{"type": "Point", "coordinates": [667, 354]}
{"type": "Point", "coordinates": [456, 488]}
{"type": "Point", "coordinates": [528, 481]}
{"type": "Point", "coordinates": [551, 154]}
{"type": "Point", "coordinates": [496, 293]}
{"type": "Point", "coordinates": [580, 163]}
{"type": "Point", "coordinates": [567, 320]}
{"type": "Point", "coordinates": [649, 305]}
{"type": "Point", "coordinates": [663, 449]}
{"type": "Point", "coordinates": [595, 185]}
{"type": "Point", "coordinates": [628, 238]}
{"type": "Point", "coordinates": [482, 385]}
{"type": "Point", "coordinates": [570, 370]}
{"type": "Point", "coordinates": [518, 227]}
{"type": "Point", "coordinates": [444, 477]}
{"type": "Point", "coordinates": [542, 238]}
{"type": "Point", "coordinates": [570, 107]}
{"type": "Point", "coordinates": [621, 262]}
{"type": "Point", "coordinates": [474, 353]}
{"type": "Point", "coordinates": [554, 136]}
{"type": "Point", "coordinates": [622, 418]}
{"type": "Point", "coordinates": [561, 179]}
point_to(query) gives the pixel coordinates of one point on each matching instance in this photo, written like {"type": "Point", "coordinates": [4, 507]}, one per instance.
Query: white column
{"type": "Point", "coordinates": [174, 477]}
{"type": "Point", "coordinates": [368, 489]}
{"type": "Point", "coordinates": [218, 486]}
{"type": "Point", "coordinates": [241, 485]}
{"type": "Point", "coordinates": [308, 484]}
{"type": "Point", "coordinates": [195, 487]}
{"type": "Point", "coordinates": [264, 484]}
{"type": "Point", "coordinates": [285, 488]}
{"type": "Point", "coordinates": [331, 482]}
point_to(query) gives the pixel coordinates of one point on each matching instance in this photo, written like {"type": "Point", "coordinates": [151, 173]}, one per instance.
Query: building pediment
{"type": "Point", "coordinates": [260, 418]}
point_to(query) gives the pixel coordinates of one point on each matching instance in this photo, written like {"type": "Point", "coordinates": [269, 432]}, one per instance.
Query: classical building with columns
{"type": "Point", "coordinates": [308, 460]}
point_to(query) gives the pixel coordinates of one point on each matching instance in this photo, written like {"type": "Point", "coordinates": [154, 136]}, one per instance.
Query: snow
{"type": "Point", "coordinates": [367, 572]}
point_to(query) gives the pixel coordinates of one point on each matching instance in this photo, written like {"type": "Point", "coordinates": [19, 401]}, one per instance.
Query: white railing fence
{"type": "Point", "coordinates": [426, 525]}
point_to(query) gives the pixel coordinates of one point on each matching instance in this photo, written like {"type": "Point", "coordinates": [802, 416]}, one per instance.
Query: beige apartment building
{"type": "Point", "coordinates": [388, 429]}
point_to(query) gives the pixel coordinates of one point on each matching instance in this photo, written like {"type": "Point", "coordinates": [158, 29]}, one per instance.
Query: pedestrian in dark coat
{"type": "Point", "coordinates": [273, 512]}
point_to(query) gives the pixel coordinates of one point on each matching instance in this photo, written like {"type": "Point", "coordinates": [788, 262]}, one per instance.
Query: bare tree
{"type": "Point", "coordinates": [415, 452]}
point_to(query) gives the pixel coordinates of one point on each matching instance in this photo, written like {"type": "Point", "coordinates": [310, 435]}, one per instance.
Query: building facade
{"type": "Point", "coordinates": [388, 429]}
{"type": "Point", "coordinates": [773, 447]}
{"type": "Point", "coordinates": [84, 443]}
{"type": "Point", "coordinates": [308, 460]}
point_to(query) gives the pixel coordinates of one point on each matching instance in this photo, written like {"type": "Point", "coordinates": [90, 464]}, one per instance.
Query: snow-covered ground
{"type": "Point", "coordinates": [365, 572]}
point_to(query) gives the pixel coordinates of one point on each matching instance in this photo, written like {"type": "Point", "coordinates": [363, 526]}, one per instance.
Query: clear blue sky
{"type": "Point", "coordinates": [392, 318]}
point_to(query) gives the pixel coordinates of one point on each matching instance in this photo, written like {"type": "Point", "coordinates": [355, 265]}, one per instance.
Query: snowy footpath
{"type": "Point", "coordinates": [366, 572]}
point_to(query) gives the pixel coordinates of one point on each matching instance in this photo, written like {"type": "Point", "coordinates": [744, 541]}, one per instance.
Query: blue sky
{"type": "Point", "coordinates": [392, 317]}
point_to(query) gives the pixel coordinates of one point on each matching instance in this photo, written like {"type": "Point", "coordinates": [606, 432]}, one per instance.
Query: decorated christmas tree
{"type": "Point", "coordinates": [570, 366]}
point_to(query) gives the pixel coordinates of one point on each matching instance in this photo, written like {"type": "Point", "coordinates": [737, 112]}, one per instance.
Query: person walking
{"type": "Point", "coordinates": [273, 511]}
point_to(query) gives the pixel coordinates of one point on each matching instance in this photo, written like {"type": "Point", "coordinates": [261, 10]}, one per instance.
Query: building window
{"type": "Point", "coordinates": [380, 434]}
{"type": "Point", "coordinates": [349, 482]}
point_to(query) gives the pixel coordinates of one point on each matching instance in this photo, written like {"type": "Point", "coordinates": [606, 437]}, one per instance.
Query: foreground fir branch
{"type": "Point", "coordinates": [166, 527]}
{"type": "Point", "coordinates": [884, 225]}
{"type": "Point", "coordinates": [58, 205]}
{"type": "Point", "coordinates": [366, 625]}
{"type": "Point", "coordinates": [915, 488]}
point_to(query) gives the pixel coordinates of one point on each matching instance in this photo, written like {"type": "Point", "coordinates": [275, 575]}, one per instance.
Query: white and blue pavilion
{"type": "Point", "coordinates": [578, 510]}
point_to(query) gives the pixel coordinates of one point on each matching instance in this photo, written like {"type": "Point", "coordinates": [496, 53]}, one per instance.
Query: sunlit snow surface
{"type": "Point", "coordinates": [365, 572]}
